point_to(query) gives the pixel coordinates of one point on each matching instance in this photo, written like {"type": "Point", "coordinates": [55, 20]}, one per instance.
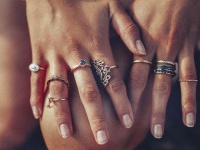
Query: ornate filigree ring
{"type": "Point", "coordinates": [82, 64]}
{"type": "Point", "coordinates": [103, 71]}
{"type": "Point", "coordinates": [52, 100]}
{"type": "Point", "coordinates": [35, 68]}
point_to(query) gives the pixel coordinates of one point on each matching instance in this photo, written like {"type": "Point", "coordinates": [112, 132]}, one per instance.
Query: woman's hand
{"type": "Point", "coordinates": [170, 31]}
{"type": "Point", "coordinates": [65, 33]}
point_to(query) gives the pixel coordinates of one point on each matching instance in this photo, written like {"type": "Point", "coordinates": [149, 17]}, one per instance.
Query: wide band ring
{"type": "Point", "coordinates": [162, 71]}
{"type": "Point", "coordinates": [52, 100]}
{"type": "Point", "coordinates": [57, 78]}
{"type": "Point", "coordinates": [142, 61]}
{"type": "Point", "coordinates": [82, 64]}
{"type": "Point", "coordinates": [166, 62]}
{"type": "Point", "coordinates": [103, 71]}
{"type": "Point", "coordinates": [35, 68]}
{"type": "Point", "coordinates": [188, 80]}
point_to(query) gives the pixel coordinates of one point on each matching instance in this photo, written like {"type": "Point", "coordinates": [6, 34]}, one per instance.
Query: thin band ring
{"type": "Point", "coordinates": [142, 61]}
{"type": "Point", "coordinates": [52, 100]}
{"type": "Point", "coordinates": [188, 80]}
{"type": "Point", "coordinates": [82, 64]}
{"type": "Point", "coordinates": [35, 68]}
{"type": "Point", "coordinates": [166, 62]}
{"type": "Point", "coordinates": [58, 78]}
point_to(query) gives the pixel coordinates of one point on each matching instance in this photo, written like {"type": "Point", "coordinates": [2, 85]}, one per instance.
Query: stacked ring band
{"type": "Point", "coordinates": [57, 78]}
{"type": "Point", "coordinates": [82, 64]}
{"type": "Point", "coordinates": [142, 61]}
{"type": "Point", "coordinates": [35, 68]}
{"type": "Point", "coordinates": [103, 71]}
{"type": "Point", "coordinates": [52, 100]}
{"type": "Point", "coordinates": [165, 67]}
{"type": "Point", "coordinates": [188, 80]}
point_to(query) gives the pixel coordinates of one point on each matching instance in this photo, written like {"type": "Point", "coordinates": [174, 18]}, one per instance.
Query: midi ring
{"type": "Point", "coordinates": [35, 68]}
{"type": "Point", "coordinates": [103, 71]}
{"type": "Point", "coordinates": [166, 62]}
{"type": "Point", "coordinates": [57, 78]}
{"type": "Point", "coordinates": [52, 100]}
{"type": "Point", "coordinates": [188, 80]}
{"type": "Point", "coordinates": [82, 64]}
{"type": "Point", "coordinates": [142, 61]}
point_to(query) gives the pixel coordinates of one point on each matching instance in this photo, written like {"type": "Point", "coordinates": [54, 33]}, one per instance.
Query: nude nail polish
{"type": "Point", "coordinates": [64, 130]}
{"type": "Point", "coordinates": [158, 132]}
{"type": "Point", "coordinates": [36, 112]}
{"type": "Point", "coordinates": [140, 47]}
{"type": "Point", "coordinates": [102, 137]}
{"type": "Point", "coordinates": [190, 120]}
{"type": "Point", "coordinates": [127, 121]}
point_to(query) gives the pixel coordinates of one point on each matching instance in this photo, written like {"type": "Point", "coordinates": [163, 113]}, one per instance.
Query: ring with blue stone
{"type": "Point", "coordinates": [35, 68]}
{"type": "Point", "coordinates": [82, 64]}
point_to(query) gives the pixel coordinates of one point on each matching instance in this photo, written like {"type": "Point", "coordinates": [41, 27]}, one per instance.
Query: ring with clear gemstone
{"type": "Point", "coordinates": [35, 68]}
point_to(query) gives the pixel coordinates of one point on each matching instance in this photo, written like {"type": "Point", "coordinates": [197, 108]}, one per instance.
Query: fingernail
{"type": "Point", "coordinates": [64, 130]}
{"type": "Point", "coordinates": [127, 121]}
{"type": "Point", "coordinates": [102, 137]}
{"type": "Point", "coordinates": [190, 120]}
{"type": "Point", "coordinates": [36, 112]}
{"type": "Point", "coordinates": [158, 133]}
{"type": "Point", "coordinates": [140, 47]}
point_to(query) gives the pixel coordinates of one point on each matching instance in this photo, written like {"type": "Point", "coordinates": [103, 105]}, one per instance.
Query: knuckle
{"type": "Point", "coordinates": [162, 87]}
{"type": "Point", "coordinates": [131, 28]}
{"type": "Point", "coordinates": [98, 122]}
{"type": "Point", "coordinates": [90, 93]}
{"type": "Point", "coordinates": [59, 115]}
{"type": "Point", "coordinates": [189, 72]}
{"type": "Point", "coordinates": [138, 78]}
{"type": "Point", "coordinates": [57, 87]}
{"type": "Point", "coordinates": [189, 106]}
{"type": "Point", "coordinates": [116, 85]}
{"type": "Point", "coordinates": [158, 116]}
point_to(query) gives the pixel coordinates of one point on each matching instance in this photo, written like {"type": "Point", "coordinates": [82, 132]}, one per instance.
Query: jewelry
{"type": "Point", "coordinates": [103, 70]}
{"type": "Point", "coordinates": [168, 69]}
{"type": "Point", "coordinates": [162, 71]}
{"type": "Point", "coordinates": [166, 62]}
{"type": "Point", "coordinates": [188, 80]}
{"type": "Point", "coordinates": [142, 61]}
{"type": "Point", "coordinates": [57, 78]}
{"type": "Point", "coordinates": [52, 100]}
{"type": "Point", "coordinates": [35, 68]}
{"type": "Point", "coordinates": [82, 64]}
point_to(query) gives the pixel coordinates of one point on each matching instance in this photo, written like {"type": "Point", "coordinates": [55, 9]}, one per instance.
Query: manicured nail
{"type": "Point", "coordinates": [64, 130]}
{"type": "Point", "coordinates": [102, 137]}
{"type": "Point", "coordinates": [158, 132]}
{"type": "Point", "coordinates": [36, 112]}
{"type": "Point", "coordinates": [140, 47]}
{"type": "Point", "coordinates": [127, 121]}
{"type": "Point", "coordinates": [190, 120]}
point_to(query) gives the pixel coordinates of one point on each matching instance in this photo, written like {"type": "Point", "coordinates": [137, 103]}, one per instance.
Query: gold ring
{"type": "Point", "coordinates": [188, 80]}
{"type": "Point", "coordinates": [142, 61]}
{"type": "Point", "coordinates": [52, 100]}
{"type": "Point", "coordinates": [166, 62]}
{"type": "Point", "coordinates": [35, 68]}
{"type": "Point", "coordinates": [57, 78]}
{"type": "Point", "coordinates": [82, 64]}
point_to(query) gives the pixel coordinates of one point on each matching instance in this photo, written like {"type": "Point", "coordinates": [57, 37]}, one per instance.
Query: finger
{"type": "Point", "coordinates": [127, 30]}
{"type": "Point", "coordinates": [110, 77]}
{"type": "Point", "coordinates": [58, 89]}
{"type": "Point", "coordinates": [37, 89]}
{"type": "Point", "coordinates": [91, 100]}
{"type": "Point", "coordinates": [188, 85]}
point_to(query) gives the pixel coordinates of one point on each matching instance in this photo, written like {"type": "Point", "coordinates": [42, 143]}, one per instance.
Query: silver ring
{"type": "Point", "coordinates": [35, 68]}
{"type": "Point", "coordinates": [166, 62]}
{"type": "Point", "coordinates": [82, 64]}
{"type": "Point", "coordinates": [103, 71]}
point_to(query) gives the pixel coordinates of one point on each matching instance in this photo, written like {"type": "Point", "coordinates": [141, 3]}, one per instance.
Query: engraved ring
{"type": "Point", "coordinates": [103, 71]}
{"type": "Point", "coordinates": [82, 64]}
{"type": "Point", "coordinates": [35, 68]}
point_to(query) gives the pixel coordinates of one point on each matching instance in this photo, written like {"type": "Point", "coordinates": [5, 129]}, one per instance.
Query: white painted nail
{"type": "Point", "coordinates": [127, 121]}
{"type": "Point", "coordinates": [158, 132]}
{"type": "Point", "coordinates": [190, 120]}
{"type": "Point", "coordinates": [102, 137]}
{"type": "Point", "coordinates": [140, 47]}
{"type": "Point", "coordinates": [64, 130]}
{"type": "Point", "coordinates": [36, 112]}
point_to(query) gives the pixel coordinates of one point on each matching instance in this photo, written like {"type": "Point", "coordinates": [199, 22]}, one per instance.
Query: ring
{"type": "Point", "coordinates": [188, 80]}
{"type": "Point", "coordinates": [57, 78]}
{"type": "Point", "coordinates": [142, 61]}
{"type": "Point", "coordinates": [168, 69]}
{"type": "Point", "coordinates": [82, 64]}
{"type": "Point", "coordinates": [103, 70]}
{"type": "Point", "coordinates": [35, 68]}
{"type": "Point", "coordinates": [166, 62]}
{"type": "Point", "coordinates": [52, 100]}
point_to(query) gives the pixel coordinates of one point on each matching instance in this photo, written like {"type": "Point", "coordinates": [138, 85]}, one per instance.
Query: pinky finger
{"type": "Point", "coordinates": [188, 83]}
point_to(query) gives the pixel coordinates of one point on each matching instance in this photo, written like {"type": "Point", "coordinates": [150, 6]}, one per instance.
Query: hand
{"type": "Point", "coordinates": [169, 30]}
{"type": "Point", "coordinates": [64, 32]}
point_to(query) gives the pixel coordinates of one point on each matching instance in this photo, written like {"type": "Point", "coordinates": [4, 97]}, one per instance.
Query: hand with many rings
{"type": "Point", "coordinates": [66, 36]}
{"type": "Point", "coordinates": [170, 31]}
